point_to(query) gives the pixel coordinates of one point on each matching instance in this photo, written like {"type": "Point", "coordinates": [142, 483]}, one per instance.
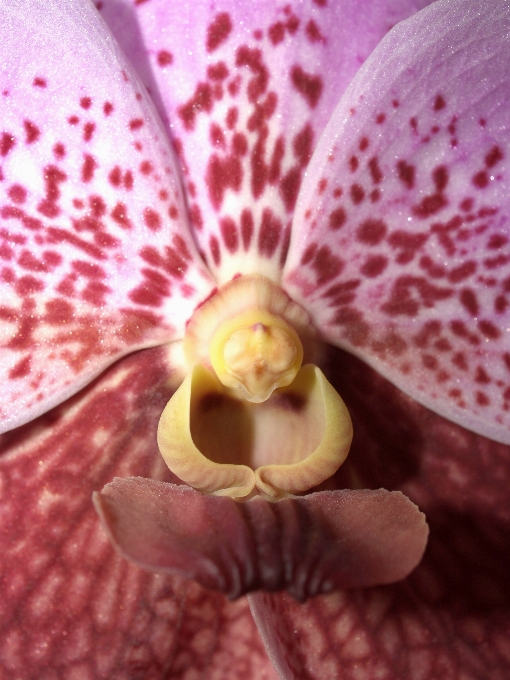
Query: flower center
{"type": "Point", "coordinates": [249, 417]}
{"type": "Point", "coordinates": [255, 353]}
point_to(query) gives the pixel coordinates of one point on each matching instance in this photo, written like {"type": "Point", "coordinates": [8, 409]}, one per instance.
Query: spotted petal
{"type": "Point", "coordinates": [246, 91]}
{"type": "Point", "coordinates": [95, 256]}
{"type": "Point", "coordinates": [401, 243]}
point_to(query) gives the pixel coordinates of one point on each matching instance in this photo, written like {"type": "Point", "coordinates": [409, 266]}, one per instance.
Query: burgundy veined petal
{"type": "Point", "coordinates": [310, 545]}
{"type": "Point", "coordinates": [246, 89]}
{"type": "Point", "coordinates": [450, 619]}
{"type": "Point", "coordinates": [401, 246]}
{"type": "Point", "coordinates": [71, 607]}
{"type": "Point", "coordinates": [95, 255]}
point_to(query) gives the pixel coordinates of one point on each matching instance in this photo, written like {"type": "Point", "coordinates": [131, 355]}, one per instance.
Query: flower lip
{"type": "Point", "coordinates": [223, 445]}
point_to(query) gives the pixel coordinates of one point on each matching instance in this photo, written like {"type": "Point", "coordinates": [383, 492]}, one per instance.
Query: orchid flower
{"type": "Point", "coordinates": [357, 176]}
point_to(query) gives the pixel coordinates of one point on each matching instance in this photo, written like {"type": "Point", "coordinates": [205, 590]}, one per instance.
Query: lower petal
{"type": "Point", "coordinates": [71, 607]}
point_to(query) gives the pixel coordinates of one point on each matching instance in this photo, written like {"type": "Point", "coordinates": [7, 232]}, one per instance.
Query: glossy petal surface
{"type": "Point", "coordinates": [401, 242]}
{"type": "Point", "coordinates": [95, 258]}
{"type": "Point", "coordinates": [450, 618]}
{"type": "Point", "coordinates": [246, 92]}
{"type": "Point", "coordinates": [71, 608]}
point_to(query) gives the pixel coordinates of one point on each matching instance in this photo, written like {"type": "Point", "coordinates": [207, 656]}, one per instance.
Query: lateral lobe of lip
{"type": "Point", "coordinates": [307, 546]}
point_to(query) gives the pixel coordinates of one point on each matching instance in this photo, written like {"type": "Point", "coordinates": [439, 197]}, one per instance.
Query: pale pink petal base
{"type": "Point", "coordinates": [71, 607]}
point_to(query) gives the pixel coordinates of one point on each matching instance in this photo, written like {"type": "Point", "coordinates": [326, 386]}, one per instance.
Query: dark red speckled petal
{"type": "Point", "coordinates": [95, 255]}
{"type": "Point", "coordinates": [310, 545]}
{"type": "Point", "coordinates": [246, 89]}
{"type": "Point", "coordinates": [402, 241]}
{"type": "Point", "coordinates": [450, 619]}
{"type": "Point", "coordinates": [71, 607]}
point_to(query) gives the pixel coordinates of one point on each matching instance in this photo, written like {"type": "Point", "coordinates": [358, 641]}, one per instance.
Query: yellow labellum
{"type": "Point", "coordinates": [227, 446]}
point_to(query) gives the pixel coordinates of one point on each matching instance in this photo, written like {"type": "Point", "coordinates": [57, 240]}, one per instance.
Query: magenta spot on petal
{"type": "Point", "coordinates": [308, 85]}
{"type": "Point", "coordinates": [39, 82]}
{"type": "Point", "coordinates": [7, 142]}
{"type": "Point", "coordinates": [164, 58]}
{"type": "Point", "coordinates": [269, 234]}
{"type": "Point", "coordinates": [214, 247]}
{"type": "Point", "coordinates": [32, 132]}
{"type": "Point", "coordinates": [228, 231]}
{"type": "Point", "coordinates": [218, 31]}
{"type": "Point", "coordinates": [337, 219]}
{"type": "Point", "coordinates": [152, 219]}
{"type": "Point", "coordinates": [439, 103]}
{"type": "Point", "coordinates": [371, 231]}
{"type": "Point", "coordinates": [85, 102]}
{"type": "Point", "coordinates": [406, 174]}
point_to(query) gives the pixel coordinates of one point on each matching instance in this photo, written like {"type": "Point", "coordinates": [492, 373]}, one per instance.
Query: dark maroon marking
{"type": "Point", "coordinates": [119, 215]}
{"type": "Point", "coordinates": [431, 329]}
{"type": "Point", "coordinates": [481, 376]}
{"type": "Point", "coordinates": [88, 168]}
{"type": "Point", "coordinates": [434, 270]}
{"type": "Point", "coordinates": [289, 188]}
{"type": "Point", "coordinates": [292, 24]}
{"type": "Point", "coordinates": [17, 193]}
{"type": "Point", "coordinates": [32, 132]}
{"type": "Point", "coordinates": [401, 302]}
{"type": "Point", "coordinates": [73, 120]}
{"type": "Point", "coordinates": [214, 247]}
{"type": "Point", "coordinates": [429, 206]}
{"type": "Point", "coordinates": [302, 145]}
{"type": "Point", "coordinates": [53, 177]}
{"type": "Point", "coordinates": [153, 290]}
{"type": "Point", "coordinates": [228, 231]}
{"type": "Point", "coordinates": [494, 156]}
{"type": "Point", "coordinates": [467, 204]}
{"type": "Point", "coordinates": [135, 123]}
{"type": "Point", "coordinates": [326, 265]}
{"type": "Point", "coordinates": [380, 118]}
{"type": "Point", "coordinates": [240, 144]}
{"type": "Point", "coordinates": [7, 142]}
{"type": "Point", "coordinates": [506, 359]}
{"type": "Point", "coordinates": [480, 180]}
{"type": "Point", "coordinates": [164, 58]}
{"type": "Point", "coordinates": [497, 241]}
{"type": "Point", "coordinates": [253, 59]}
{"type": "Point", "coordinates": [313, 32]}
{"type": "Point", "coordinates": [342, 294]}
{"type": "Point", "coordinates": [463, 271]}
{"type": "Point", "coordinates": [28, 285]}
{"type": "Point", "coordinates": [59, 150]}
{"type": "Point", "coordinates": [459, 360]}
{"type": "Point", "coordinates": [439, 103]}
{"type": "Point", "coordinates": [353, 163]}
{"type": "Point", "coordinates": [39, 82]}
{"type": "Point", "coordinates": [357, 194]}
{"type": "Point", "coordinates": [115, 176]}
{"type": "Point", "coordinates": [85, 102]}
{"type": "Point", "coordinates": [374, 266]}
{"type": "Point", "coordinates": [269, 233]}
{"type": "Point", "coordinates": [231, 117]}
{"type": "Point", "coordinates": [309, 253]}
{"type": "Point", "coordinates": [107, 108]}
{"type": "Point", "coordinates": [173, 213]}
{"type": "Point", "coordinates": [195, 216]}
{"type": "Point", "coordinates": [218, 71]}
{"type": "Point", "coordinates": [274, 170]}
{"type": "Point", "coordinates": [216, 135]}
{"type": "Point", "coordinates": [501, 304]}
{"type": "Point", "coordinates": [469, 301]}
{"type": "Point", "coordinates": [146, 167]}
{"type": "Point", "coordinates": [375, 170]}
{"type": "Point", "coordinates": [58, 235]}
{"type": "Point", "coordinates": [247, 228]}
{"type": "Point", "coordinates": [88, 131]}
{"type": "Point", "coordinates": [440, 178]}
{"type": "Point", "coordinates": [356, 330]}
{"type": "Point", "coordinates": [152, 219]}
{"type": "Point", "coordinates": [202, 100]}
{"type": "Point", "coordinates": [276, 32]}
{"type": "Point", "coordinates": [489, 329]}
{"type": "Point", "coordinates": [363, 144]}
{"type": "Point", "coordinates": [430, 362]}
{"type": "Point", "coordinates": [482, 399]}
{"type": "Point", "coordinates": [218, 31]}
{"type": "Point", "coordinates": [406, 173]}
{"type": "Point", "coordinates": [337, 219]}
{"type": "Point", "coordinates": [371, 232]}
{"type": "Point", "coordinates": [321, 3]}
{"type": "Point", "coordinates": [308, 85]}
{"type": "Point", "coordinates": [222, 174]}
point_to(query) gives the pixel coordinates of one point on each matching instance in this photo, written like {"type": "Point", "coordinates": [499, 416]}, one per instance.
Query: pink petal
{"type": "Point", "coordinates": [96, 259]}
{"type": "Point", "coordinates": [309, 545]}
{"type": "Point", "coordinates": [246, 89]}
{"type": "Point", "coordinates": [71, 607]}
{"type": "Point", "coordinates": [450, 618]}
{"type": "Point", "coordinates": [401, 244]}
